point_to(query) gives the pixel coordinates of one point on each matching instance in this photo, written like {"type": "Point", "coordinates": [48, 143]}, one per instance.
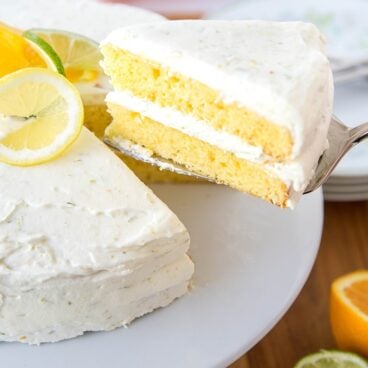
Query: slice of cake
{"type": "Point", "coordinates": [84, 246]}
{"type": "Point", "coordinates": [246, 103]}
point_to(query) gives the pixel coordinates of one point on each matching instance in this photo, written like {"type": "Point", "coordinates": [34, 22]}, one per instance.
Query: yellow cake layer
{"type": "Point", "coordinates": [198, 156]}
{"type": "Point", "coordinates": [150, 81]}
{"type": "Point", "coordinates": [97, 118]}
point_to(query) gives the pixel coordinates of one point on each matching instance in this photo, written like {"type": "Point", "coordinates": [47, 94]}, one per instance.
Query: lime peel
{"type": "Point", "coordinates": [79, 55]}
{"type": "Point", "coordinates": [49, 55]}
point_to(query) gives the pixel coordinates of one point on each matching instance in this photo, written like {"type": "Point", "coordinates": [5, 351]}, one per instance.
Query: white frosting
{"type": "Point", "coordinates": [51, 312]}
{"type": "Point", "coordinates": [76, 218]}
{"type": "Point", "coordinates": [278, 70]}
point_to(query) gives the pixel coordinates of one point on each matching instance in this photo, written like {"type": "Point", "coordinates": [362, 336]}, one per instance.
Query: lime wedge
{"type": "Point", "coordinates": [332, 359]}
{"type": "Point", "coordinates": [45, 51]}
{"type": "Point", "coordinates": [79, 55]}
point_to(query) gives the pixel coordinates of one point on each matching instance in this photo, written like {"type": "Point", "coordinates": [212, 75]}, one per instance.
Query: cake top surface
{"type": "Point", "coordinates": [91, 18]}
{"type": "Point", "coordinates": [278, 69]}
{"type": "Point", "coordinates": [82, 212]}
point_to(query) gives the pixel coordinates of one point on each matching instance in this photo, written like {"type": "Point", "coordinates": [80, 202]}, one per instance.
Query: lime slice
{"type": "Point", "coordinates": [80, 55]}
{"type": "Point", "coordinates": [45, 51]}
{"type": "Point", "coordinates": [41, 114]}
{"type": "Point", "coordinates": [332, 359]}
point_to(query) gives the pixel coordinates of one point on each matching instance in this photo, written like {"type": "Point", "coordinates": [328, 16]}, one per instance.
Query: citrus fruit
{"type": "Point", "coordinates": [17, 52]}
{"type": "Point", "coordinates": [48, 54]}
{"type": "Point", "coordinates": [349, 311]}
{"type": "Point", "coordinates": [41, 114]}
{"type": "Point", "coordinates": [332, 359]}
{"type": "Point", "coordinates": [80, 55]}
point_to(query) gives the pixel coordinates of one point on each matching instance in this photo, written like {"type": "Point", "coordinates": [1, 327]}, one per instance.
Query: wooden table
{"type": "Point", "coordinates": [305, 328]}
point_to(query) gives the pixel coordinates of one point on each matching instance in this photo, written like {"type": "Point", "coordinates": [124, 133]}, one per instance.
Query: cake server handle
{"type": "Point", "coordinates": [341, 139]}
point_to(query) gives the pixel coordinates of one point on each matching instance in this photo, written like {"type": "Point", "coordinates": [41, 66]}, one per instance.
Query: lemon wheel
{"type": "Point", "coordinates": [41, 114]}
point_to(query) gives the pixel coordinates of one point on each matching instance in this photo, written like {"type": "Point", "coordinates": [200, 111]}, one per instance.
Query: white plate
{"type": "Point", "coordinates": [251, 261]}
{"type": "Point", "coordinates": [343, 22]}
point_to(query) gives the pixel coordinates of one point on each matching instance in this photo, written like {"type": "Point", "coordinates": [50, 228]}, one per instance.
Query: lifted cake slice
{"type": "Point", "coordinates": [247, 103]}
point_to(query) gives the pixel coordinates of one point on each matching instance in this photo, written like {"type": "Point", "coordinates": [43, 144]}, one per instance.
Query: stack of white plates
{"type": "Point", "coordinates": [350, 179]}
{"type": "Point", "coordinates": [344, 24]}
{"type": "Point", "coordinates": [346, 189]}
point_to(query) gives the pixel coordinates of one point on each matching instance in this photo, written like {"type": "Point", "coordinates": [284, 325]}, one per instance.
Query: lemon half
{"type": "Point", "coordinates": [41, 114]}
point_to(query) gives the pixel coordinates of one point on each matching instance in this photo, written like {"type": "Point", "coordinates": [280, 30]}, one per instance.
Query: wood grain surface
{"type": "Point", "coordinates": [305, 328]}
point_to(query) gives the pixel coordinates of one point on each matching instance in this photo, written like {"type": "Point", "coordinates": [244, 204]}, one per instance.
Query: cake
{"type": "Point", "coordinates": [245, 103]}
{"type": "Point", "coordinates": [85, 246]}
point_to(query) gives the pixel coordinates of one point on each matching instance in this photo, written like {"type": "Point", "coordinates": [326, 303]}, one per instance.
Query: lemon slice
{"type": "Point", "coordinates": [18, 52]}
{"type": "Point", "coordinates": [79, 55]}
{"type": "Point", "coordinates": [41, 114]}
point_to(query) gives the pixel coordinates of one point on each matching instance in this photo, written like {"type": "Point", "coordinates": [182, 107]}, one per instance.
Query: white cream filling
{"type": "Point", "coordinates": [187, 124]}
{"type": "Point", "coordinates": [295, 173]}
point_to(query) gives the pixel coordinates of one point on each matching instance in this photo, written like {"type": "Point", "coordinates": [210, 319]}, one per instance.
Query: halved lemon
{"type": "Point", "coordinates": [79, 55]}
{"type": "Point", "coordinates": [349, 311]}
{"type": "Point", "coordinates": [17, 52]}
{"type": "Point", "coordinates": [41, 114]}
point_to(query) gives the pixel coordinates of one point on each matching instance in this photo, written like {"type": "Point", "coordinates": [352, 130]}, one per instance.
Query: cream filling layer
{"type": "Point", "coordinates": [295, 173]}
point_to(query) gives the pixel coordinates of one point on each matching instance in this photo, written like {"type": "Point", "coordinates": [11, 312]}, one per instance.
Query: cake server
{"type": "Point", "coordinates": [340, 137]}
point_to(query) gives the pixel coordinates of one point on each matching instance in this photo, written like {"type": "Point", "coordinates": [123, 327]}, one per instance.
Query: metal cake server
{"type": "Point", "coordinates": [341, 139]}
